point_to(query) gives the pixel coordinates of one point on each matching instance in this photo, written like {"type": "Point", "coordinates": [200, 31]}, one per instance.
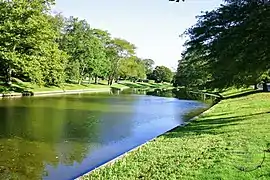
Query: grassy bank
{"type": "Point", "coordinates": [20, 86]}
{"type": "Point", "coordinates": [233, 92]}
{"type": "Point", "coordinates": [144, 85]}
{"type": "Point", "coordinates": [226, 142]}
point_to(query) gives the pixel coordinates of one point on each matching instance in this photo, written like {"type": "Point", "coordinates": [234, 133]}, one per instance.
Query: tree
{"type": "Point", "coordinates": [75, 42]}
{"type": "Point", "coordinates": [192, 72]}
{"type": "Point", "coordinates": [28, 46]}
{"type": "Point", "coordinates": [45, 49]}
{"type": "Point", "coordinates": [118, 50]}
{"type": "Point", "coordinates": [86, 51]}
{"type": "Point", "coordinates": [149, 66]}
{"type": "Point", "coordinates": [233, 42]}
{"type": "Point", "coordinates": [132, 68]}
{"type": "Point", "coordinates": [162, 74]}
{"type": "Point", "coordinates": [105, 65]}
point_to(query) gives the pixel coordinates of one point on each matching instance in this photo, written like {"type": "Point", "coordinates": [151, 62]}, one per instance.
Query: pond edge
{"type": "Point", "coordinates": [112, 161]}
{"type": "Point", "coordinates": [50, 93]}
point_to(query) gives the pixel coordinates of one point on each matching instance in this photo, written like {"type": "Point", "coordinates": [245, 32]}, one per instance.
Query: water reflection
{"type": "Point", "coordinates": [62, 137]}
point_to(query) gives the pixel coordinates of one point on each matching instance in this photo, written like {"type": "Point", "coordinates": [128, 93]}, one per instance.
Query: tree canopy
{"type": "Point", "coordinates": [39, 47]}
{"type": "Point", "coordinates": [228, 46]}
{"type": "Point", "coordinates": [162, 74]}
{"type": "Point", "coordinates": [28, 46]}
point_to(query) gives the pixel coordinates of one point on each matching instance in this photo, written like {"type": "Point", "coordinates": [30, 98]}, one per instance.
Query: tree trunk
{"type": "Point", "coordinates": [256, 86]}
{"type": "Point", "coordinates": [8, 76]}
{"type": "Point", "coordinates": [110, 80]}
{"type": "Point", "coordinates": [82, 75]}
{"type": "Point", "coordinates": [89, 78]}
{"type": "Point", "coordinates": [96, 79]}
{"type": "Point", "coordinates": [265, 88]}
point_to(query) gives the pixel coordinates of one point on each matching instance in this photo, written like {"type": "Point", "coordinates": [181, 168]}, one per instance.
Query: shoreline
{"type": "Point", "coordinates": [120, 157]}
{"type": "Point", "coordinates": [67, 90]}
{"type": "Point", "coordinates": [210, 130]}
{"type": "Point", "coordinates": [51, 93]}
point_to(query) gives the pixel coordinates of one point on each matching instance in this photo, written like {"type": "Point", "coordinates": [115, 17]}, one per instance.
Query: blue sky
{"type": "Point", "coordinates": [153, 26]}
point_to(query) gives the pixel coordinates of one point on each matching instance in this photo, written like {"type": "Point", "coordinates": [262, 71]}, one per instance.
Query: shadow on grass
{"type": "Point", "coordinates": [103, 83]}
{"type": "Point", "coordinates": [242, 94]}
{"type": "Point", "coordinates": [208, 125]}
{"type": "Point", "coordinates": [265, 175]}
{"type": "Point", "coordinates": [131, 85]}
{"type": "Point", "coordinates": [16, 87]}
{"type": "Point", "coordinates": [147, 85]}
{"type": "Point", "coordinates": [144, 85]}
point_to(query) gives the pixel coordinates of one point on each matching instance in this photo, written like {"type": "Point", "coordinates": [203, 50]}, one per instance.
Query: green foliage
{"type": "Point", "coordinates": [117, 51]}
{"type": "Point", "coordinates": [46, 49]}
{"type": "Point", "coordinates": [192, 72]}
{"type": "Point", "coordinates": [162, 74]}
{"type": "Point", "coordinates": [132, 68]}
{"type": "Point", "coordinates": [28, 45]}
{"type": "Point", "coordinates": [149, 66]}
{"type": "Point", "coordinates": [232, 42]}
{"type": "Point", "coordinates": [86, 51]}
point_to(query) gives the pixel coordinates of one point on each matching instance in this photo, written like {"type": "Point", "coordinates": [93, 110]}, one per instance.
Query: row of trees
{"type": "Point", "coordinates": [47, 49]}
{"type": "Point", "coordinates": [228, 46]}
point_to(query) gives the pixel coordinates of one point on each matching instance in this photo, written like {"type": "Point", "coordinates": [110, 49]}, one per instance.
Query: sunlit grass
{"type": "Point", "coordinates": [144, 85]}
{"type": "Point", "coordinates": [234, 91]}
{"type": "Point", "coordinates": [229, 137]}
{"type": "Point", "coordinates": [20, 86]}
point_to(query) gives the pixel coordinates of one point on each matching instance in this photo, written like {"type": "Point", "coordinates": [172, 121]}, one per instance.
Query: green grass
{"type": "Point", "coordinates": [235, 92]}
{"type": "Point", "coordinates": [119, 86]}
{"type": "Point", "coordinates": [66, 86]}
{"type": "Point", "coordinates": [20, 86]}
{"type": "Point", "coordinates": [143, 85]}
{"type": "Point", "coordinates": [25, 86]}
{"type": "Point", "coordinates": [232, 135]}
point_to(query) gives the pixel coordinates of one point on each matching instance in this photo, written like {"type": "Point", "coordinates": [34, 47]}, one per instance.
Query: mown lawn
{"type": "Point", "coordinates": [234, 92]}
{"type": "Point", "coordinates": [224, 143]}
{"type": "Point", "coordinates": [143, 85]}
{"type": "Point", "coordinates": [20, 86]}
{"type": "Point", "coordinates": [26, 86]}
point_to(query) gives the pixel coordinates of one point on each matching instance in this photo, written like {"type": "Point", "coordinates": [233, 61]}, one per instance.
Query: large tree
{"type": "Point", "coordinates": [117, 51]}
{"type": "Point", "coordinates": [162, 74]}
{"type": "Point", "coordinates": [233, 41]}
{"type": "Point", "coordinates": [132, 68]}
{"type": "Point", "coordinates": [149, 66]}
{"type": "Point", "coordinates": [192, 72]}
{"type": "Point", "coordinates": [28, 46]}
{"type": "Point", "coordinates": [86, 51]}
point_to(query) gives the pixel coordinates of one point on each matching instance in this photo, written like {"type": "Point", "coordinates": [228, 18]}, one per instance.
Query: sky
{"type": "Point", "coordinates": [153, 26]}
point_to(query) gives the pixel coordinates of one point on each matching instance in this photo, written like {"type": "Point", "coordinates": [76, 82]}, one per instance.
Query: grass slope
{"type": "Point", "coordinates": [234, 92]}
{"type": "Point", "coordinates": [20, 86]}
{"type": "Point", "coordinates": [232, 135]}
{"type": "Point", "coordinates": [143, 85]}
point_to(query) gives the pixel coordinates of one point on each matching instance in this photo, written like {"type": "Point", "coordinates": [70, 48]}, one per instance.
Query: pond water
{"type": "Point", "coordinates": [62, 137]}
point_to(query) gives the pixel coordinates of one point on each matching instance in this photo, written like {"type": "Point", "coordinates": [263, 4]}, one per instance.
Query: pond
{"type": "Point", "coordinates": [62, 137]}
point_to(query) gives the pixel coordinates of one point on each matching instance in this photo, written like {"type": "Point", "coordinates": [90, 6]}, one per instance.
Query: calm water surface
{"type": "Point", "coordinates": [62, 137]}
